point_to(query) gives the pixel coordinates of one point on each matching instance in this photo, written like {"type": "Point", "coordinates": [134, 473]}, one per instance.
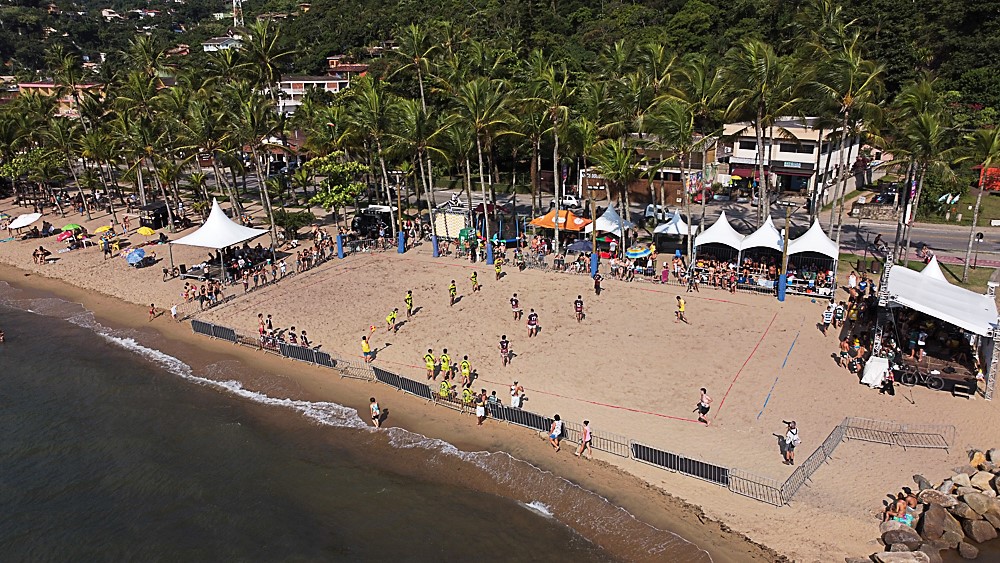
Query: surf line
{"type": "Point", "coordinates": [789, 353]}
{"type": "Point", "coordinates": [740, 371]}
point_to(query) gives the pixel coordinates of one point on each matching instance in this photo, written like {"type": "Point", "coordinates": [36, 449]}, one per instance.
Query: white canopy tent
{"type": "Point", "coordinates": [219, 231]}
{"type": "Point", "coordinates": [721, 232]}
{"type": "Point", "coordinates": [815, 240]}
{"type": "Point", "coordinates": [968, 310]}
{"type": "Point", "coordinates": [675, 226]}
{"type": "Point", "coordinates": [609, 222]}
{"type": "Point", "coordinates": [767, 236]}
{"type": "Point", "coordinates": [933, 270]}
{"type": "Point", "coordinates": [24, 220]}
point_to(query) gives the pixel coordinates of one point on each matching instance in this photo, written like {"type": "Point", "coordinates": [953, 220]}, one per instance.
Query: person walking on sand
{"type": "Point", "coordinates": [515, 395]}
{"type": "Point", "coordinates": [827, 318]}
{"type": "Point", "coordinates": [391, 321]}
{"type": "Point", "coordinates": [586, 437]}
{"type": "Point", "coordinates": [475, 281]}
{"type": "Point", "coordinates": [452, 292]}
{"type": "Point", "coordinates": [681, 306]}
{"type": "Point", "coordinates": [445, 361]}
{"type": "Point", "coordinates": [791, 442]}
{"type": "Point", "coordinates": [481, 408]}
{"type": "Point", "coordinates": [366, 349]}
{"type": "Point", "coordinates": [555, 432]}
{"type": "Point", "coordinates": [515, 306]}
{"type": "Point", "coordinates": [532, 323]}
{"type": "Point", "coordinates": [376, 413]}
{"type": "Point", "coordinates": [173, 311]}
{"type": "Point", "coordinates": [152, 312]}
{"type": "Point", "coordinates": [498, 266]}
{"type": "Point", "coordinates": [578, 307]}
{"type": "Point", "coordinates": [466, 369]}
{"type": "Point", "coordinates": [409, 303]}
{"type": "Point", "coordinates": [505, 350]}
{"type": "Point", "coordinates": [704, 404]}
{"type": "Point", "coordinates": [429, 362]}
{"type": "Point", "coordinates": [597, 284]}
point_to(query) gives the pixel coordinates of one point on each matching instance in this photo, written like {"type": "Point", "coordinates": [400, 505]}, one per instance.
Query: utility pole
{"type": "Point", "coordinates": [238, 13]}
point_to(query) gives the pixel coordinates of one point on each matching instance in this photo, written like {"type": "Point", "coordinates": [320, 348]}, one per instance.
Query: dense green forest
{"type": "Point", "coordinates": [958, 41]}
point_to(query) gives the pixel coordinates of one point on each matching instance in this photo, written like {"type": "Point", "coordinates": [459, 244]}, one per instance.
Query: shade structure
{"type": "Point", "coordinates": [24, 220]}
{"type": "Point", "coordinates": [567, 221]}
{"type": "Point", "coordinates": [968, 310]}
{"type": "Point", "coordinates": [767, 236]}
{"type": "Point", "coordinates": [638, 251]}
{"type": "Point", "coordinates": [721, 232]}
{"type": "Point", "coordinates": [580, 246]}
{"type": "Point", "coordinates": [219, 231]}
{"type": "Point", "coordinates": [933, 270]}
{"type": "Point", "coordinates": [609, 222]}
{"type": "Point", "coordinates": [675, 226]}
{"type": "Point", "coordinates": [814, 240]}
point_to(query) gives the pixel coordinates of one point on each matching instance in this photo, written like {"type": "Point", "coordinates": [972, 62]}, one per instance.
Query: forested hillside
{"type": "Point", "coordinates": [957, 40]}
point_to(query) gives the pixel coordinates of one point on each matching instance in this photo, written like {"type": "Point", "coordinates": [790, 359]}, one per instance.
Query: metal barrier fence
{"type": "Point", "coordinates": [688, 466]}
{"type": "Point", "coordinates": [756, 487]}
{"type": "Point", "coordinates": [599, 440]}
{"type": "Point", "coordinates": [736, 480]}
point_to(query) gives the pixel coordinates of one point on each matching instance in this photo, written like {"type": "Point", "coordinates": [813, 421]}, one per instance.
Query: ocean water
{"type": "Point", "coordinates": [113, 450]}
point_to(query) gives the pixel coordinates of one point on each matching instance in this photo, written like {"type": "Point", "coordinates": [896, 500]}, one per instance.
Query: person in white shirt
{"type": "Point", "coordinates": [555, 432]}
{"type": "Point", "coordinates": [791, 442]}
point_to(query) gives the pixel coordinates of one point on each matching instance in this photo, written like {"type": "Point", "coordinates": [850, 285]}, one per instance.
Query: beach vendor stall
{"type": "Point", "coordinates": [812, 262]}
{"type": "Point", "coordinates": [219, 233]}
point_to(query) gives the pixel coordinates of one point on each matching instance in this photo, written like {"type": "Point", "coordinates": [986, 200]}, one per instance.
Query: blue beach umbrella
{"type": "Point", "coordinates": [580, 246]}
{"type": "Point", "coordinates": [638, 251]}
{"type": "Point", "coordinates": [135, 256]}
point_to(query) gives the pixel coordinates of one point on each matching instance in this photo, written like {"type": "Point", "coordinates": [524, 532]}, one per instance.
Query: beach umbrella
{"type": "Point", "coordinates": [24, 220]}
{"type": "Point", "coordinates": [103, 229]}
{"type": "Point", "coordinates": [65, 235]}
{"type": "Point", "coordinates": [638, 251]}
{"type": "Point", "coordinates": [735, 177]}
{"type": "Point", "coordinates": [72, 227]}
{"type": "Point", "coordinates": [135, 256]}
{"type": "Point", "coordinates": [145, 231]}
{"type": "Point", "coordinates": [580, 246]}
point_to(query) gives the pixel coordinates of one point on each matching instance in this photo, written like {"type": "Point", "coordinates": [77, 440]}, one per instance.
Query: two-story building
{"type": "Point", "coordinates": [65, 104]}
{"type": "Point", "coordinates": [220, 44]}
{"type": "Point", "coordinates": [797, 160]}
{"type": "Point", "coordinates": [340, 72]}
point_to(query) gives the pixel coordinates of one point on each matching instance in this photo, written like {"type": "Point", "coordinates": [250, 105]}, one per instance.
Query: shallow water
{"type": "Point", "coordinates": [114, 450]}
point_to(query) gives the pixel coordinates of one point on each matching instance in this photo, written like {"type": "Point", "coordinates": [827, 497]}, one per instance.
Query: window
{"type": "Point", "coordinates": [748, 145]}
{"type": "Point", "coordinates": [796, 148]}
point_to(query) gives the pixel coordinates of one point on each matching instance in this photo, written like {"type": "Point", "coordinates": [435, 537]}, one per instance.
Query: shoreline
{"type": "Point", "coordinates": [300, 381]}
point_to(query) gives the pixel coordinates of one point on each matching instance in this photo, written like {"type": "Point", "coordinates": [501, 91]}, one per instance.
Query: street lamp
{"type": "Point", "coordinates": [979, 239]}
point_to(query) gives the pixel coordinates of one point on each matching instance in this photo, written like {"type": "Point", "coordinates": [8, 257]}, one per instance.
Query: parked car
{"type": "Point", "coordinates": [662, 213]}
{"type": "Point", "coordinates": [368, 221]}
{"type": "Point", "coordinates": [567, 202]}
{"type": "Point", "coordinates": [884, 198]}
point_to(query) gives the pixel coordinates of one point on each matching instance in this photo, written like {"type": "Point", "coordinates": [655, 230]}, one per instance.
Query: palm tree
{"type": "Point", "coordinates": [253, 121]}
{"type": "Point", "coordinates": [617, 164]}
{"type": "Point", "coordinates": [62, 137]}
{"type": "Point", "coordinates": [674, 123]}
{"type": "Point", "coordinates": [374, 113]}
{"type": "Point", "coordinates": [703, 89]}
{"type": "Point", "coordinates": [554, 94]}
{"type": "Point", "coordinates": [265, 55]}
{"type": "Point", "coordinates": [929, 143]}
{"type": "Point", "coordinates": [984, 149]}
{"type": "Point", "coordinates": [482, 105]}
{"type": "Point", "coordinates": [855, 85]}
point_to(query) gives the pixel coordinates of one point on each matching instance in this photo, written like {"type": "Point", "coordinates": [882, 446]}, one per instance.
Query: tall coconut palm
{"type": "Point", "coordinates": [617, 163]}
{"type": "Point", "coordinates": [930, 144]}
{"type": "Point", "coordinates": [265, 55]}
{"type": "Point", "coordinates": [482, 104]}
{"type": "Point", "coordinates": [674, 123]}
{"type": "Point", "coordinates": [62, 136]}
{"type": "Point", "coordinates": [554, 93]}
{"type": "Point", "coordinates": [853, 83]}
{"type": "Point", "coordinates": [982, 148]}
{"type": "Point", "coordinates": [374, 114]}
{"type": "Point", "coordinates": [253, 121]}
{"type": "Point", "coordinates": [703, 88]}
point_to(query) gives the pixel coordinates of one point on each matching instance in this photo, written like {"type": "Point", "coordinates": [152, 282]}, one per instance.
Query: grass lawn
{"type": "Point", "coordinates": [952, 272]}
{"type": "Point", "coordinates": [990, 210]}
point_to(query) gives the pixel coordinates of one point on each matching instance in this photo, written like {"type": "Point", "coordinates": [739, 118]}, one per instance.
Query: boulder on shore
{"type": "Point", "coordinates": [946, 486]}
{"type": "Point", "coordinates": [977, 458]}
{"type": "Point", "coordinates": [962, 480]}
{"type": "Point", "coordinates": [936, 522]}
{"type": "Point", "coordinates": [967, 550]}
{"type": "Point", "coordinates": [993, 455]}
{"type": "Point", "coordinates": [992, 519]}
{"type": "Point", "coordinates": [905, 535]}
{"type": "Point", "coordinates": [979, 530]}
{"type": "Point", "coordinates": [922, 482]}
{"type": "Point", "coordinates": [978, 502]}
{"type": "Point", "coordinates": [902, 557]}
{"type": "Point", "coordinates": [965, 512]}
{"type": "Point", "coordinates": [930, 496]}
{"type": "Point", "coordinates": [981, 480]}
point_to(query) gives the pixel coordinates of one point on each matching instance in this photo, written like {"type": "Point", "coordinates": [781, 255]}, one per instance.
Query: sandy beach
{"type": "Point", "coordinates": [629, 368]}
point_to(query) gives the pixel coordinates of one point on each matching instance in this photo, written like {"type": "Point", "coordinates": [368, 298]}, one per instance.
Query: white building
{"type": "Point", "coordinates": [796, 163]}
{"type": "Point", "coordinates": [220, 44]}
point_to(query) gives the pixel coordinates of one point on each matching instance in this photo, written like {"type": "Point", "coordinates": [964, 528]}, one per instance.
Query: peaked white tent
{"type": "Point", "coordinates": [767, 236]}
{"type": "Point", "coordinates": [609, 222]}
{"type": "Point", "coordinates": [815, 240]}
{"type": "Point", "coordinates": [675, 226]}
{"type": "Point", "coordinates": [924, 292]}
{"type": "Point", "coordinates": [721, 232]}
{"type": "Point", "coordinates": [933, 270]}
{"type": "Point", "coordinates": [219, 231]}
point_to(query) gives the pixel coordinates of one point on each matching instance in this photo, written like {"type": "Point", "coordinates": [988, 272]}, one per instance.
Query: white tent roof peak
{"type": "Point", "coordinates": [767, 236]}
{"type": "Point", "coordinates": [814, 240]}
{"type": "Point", "coordinates": [609, 222]}
{"type": "Point", "coordinates": [219, 231]}
{"type": "Point", "coordinates": [721, 232]}
{"type": "Point", "coordinates": [933, 270]}
{"type": "Point", "coordinates": [675, 226]}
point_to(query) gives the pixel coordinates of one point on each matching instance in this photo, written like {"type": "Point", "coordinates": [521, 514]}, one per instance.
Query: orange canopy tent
{"type": "Point", "coordinates": [567, 221]}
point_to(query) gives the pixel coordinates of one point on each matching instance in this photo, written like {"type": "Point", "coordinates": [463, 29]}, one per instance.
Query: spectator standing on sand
{"type": "Point", "coordinates": [791, 442]}
{"type": "Point", "coordinates": [376, 413]}
{"type": "Point", "coordinates": [152, 311]}
{"type": "Point", "coordinates": [555, 432]}
{"type": "Point", "coordinates": [481, 408]}
{"type": "Point", "coordinates": [516, 391]}
{"type": "Point", "coordinates": [585, 439]}
{"type": "Point", "coordinates": [597, 284]}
